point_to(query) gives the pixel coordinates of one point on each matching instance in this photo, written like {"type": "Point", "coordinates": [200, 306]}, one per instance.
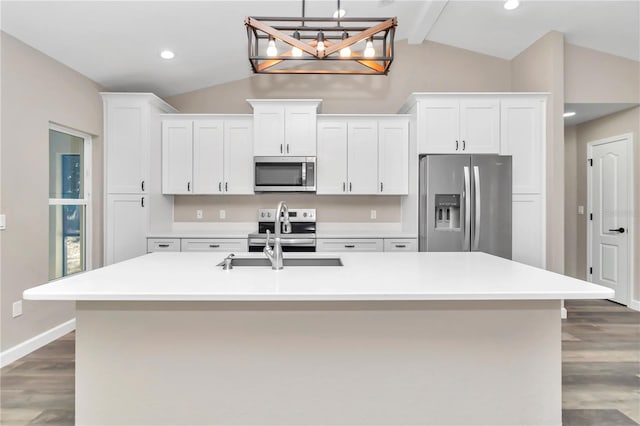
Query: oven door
{"type": "Point", "coordinates": [256, 244]}
{"type": "Point", "coordinates": [280, 174]}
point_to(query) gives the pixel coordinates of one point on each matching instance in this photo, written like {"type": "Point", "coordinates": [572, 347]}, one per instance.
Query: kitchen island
{"type": "Point", "coordinates": [388, 338]}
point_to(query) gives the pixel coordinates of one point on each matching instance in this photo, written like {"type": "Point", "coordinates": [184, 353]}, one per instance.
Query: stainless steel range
{"type": "Point", "coordinates": [302, 235]}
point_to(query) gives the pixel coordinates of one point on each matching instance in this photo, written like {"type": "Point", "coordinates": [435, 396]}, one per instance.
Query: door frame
{"type": "Point", "coordinates": [628, 138]}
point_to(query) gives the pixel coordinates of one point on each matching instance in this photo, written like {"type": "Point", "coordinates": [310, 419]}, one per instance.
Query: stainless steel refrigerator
{"type": "Point", "coordinates": [465, 203]}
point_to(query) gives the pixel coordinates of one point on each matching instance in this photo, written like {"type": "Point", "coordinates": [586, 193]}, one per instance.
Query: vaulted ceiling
{"type": "Point", "coordinates": [117, 43]}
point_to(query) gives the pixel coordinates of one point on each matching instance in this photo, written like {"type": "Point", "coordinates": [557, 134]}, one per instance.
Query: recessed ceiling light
{"type": "Point", "coordinates": [339, 13]}
{"type": "Point", "coordinates": [511, 4]}
{"type": "Point", "coordinates": [167, 54]}
{"type": "Point", "coordinates": [569, 114]}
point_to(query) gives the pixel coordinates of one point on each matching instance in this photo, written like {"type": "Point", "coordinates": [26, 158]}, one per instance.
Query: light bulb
{"type": "Point", "coordinates": [511, 4]}
{"type": "Point", "coordinates": [272, 50]}
{"type": "Point", "coordinates": [320, 46]}
{"type": "Point", "coordinates": [296, 51]}
{"type": "Point", "coordinates": [369, 51]}
{"type": "Point", "coordinates": [345, 52]}
{"type": "Point", "coordinates": [167, 54]}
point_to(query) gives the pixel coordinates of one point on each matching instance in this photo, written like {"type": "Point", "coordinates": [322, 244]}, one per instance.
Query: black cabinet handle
{"type": "Point", "coordinates": [189, 186]}
{"type": "Point", "coordinates": [226, 187]}
{"type": "Point", "coordinates": [163, 245]}
{"type": "Point", "coordinates": [464, 145]}
{"type": "Point", "coordinates": [287, 148]}
{"type": "Point", "coordinates": [281, 149]}
{"type": "Point", "coordinates": [401, 246]}
{"type": "Point", "coordinates": [142, 185]}
{"type": "Point", "coordinates": [381, 186]}
{"type": "Point", "coordinates": [456, 145]}
{"type": "Point", "coordinates": [142, 202]}
{"type": "Point", "coordinates": [349, 246]}
{"type": "Point", "coordinates": [620, 230]}
{"type": "Point", "coordinates": [344, 187]}
{"type": "Point", "coordinates": [214, 245]}
{"type": "Point", "coordinates": [349, 186]}
{"type": "Point", "coordinates": [219, 186]}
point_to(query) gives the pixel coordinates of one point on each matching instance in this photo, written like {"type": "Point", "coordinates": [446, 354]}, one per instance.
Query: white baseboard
{"type": "Point", "coordinates": [563, 313]}
{"type": "Point", "coordinates": [28, 346]}
{"type": "Point", "coordinates": [634, 304]}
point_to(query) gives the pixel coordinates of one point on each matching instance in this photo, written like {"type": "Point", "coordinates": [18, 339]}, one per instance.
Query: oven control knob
{"type": "Point", "coordinates": [262, 214]}
{"type": "Point", "coordinates": [304, 214]}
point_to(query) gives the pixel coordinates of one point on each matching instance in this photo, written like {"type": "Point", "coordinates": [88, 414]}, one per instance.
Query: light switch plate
{"type": "Point", "coordinates": [580, 209]}
{"type": "Point", "coordinates": [223, 214]}
{"type": "Point", "coordinates": [198, 214]}
{"type": "Point", "coordinates": [3, 222]}
{"type": "Point", "coordinates": [373, 214]}
{"type": "Point", "coordinates": [17, 308]}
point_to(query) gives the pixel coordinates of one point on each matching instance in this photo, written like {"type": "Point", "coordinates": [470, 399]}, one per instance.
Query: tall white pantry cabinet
{"type": "Point", "coordinates": [132, 175]}
{"type": "Point", "coordinates": [493, 123]}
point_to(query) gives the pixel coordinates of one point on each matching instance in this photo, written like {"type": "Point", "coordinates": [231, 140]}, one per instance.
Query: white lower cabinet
{"type": "Point", "coordinates": [400, 244]}
{"type": "Point", "coordinates": [125, 227]}
{"type": "Point", "coordinates": [217, 244]}
{"type": "Point", "coordinates": [528, 230]}
{"type": "Point", "coordinates": [163, 244]}
{"type": "Point", "coordinates": [348, 244]}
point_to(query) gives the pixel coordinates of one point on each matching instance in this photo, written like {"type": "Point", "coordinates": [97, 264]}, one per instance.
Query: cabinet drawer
{"type": "Point", "coordinates": [163, 244]}
{"type": "Point", "coordinates": [218, 244]}
{"type": "Point", "coordinates": [343, 245]}
{"type": "Point", "coordinates": [400, 244]}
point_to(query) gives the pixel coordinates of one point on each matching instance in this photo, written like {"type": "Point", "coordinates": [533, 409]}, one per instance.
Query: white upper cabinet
{"type": "Point", "coordinates": [331, 163]}
{"type": "Point", "coordinates": [207, 156]}
{"type": "Point", "coordinates": [480, 126]}
{"type": "Point", "coordinates": [177, 156]}
{"type": "Point", "coordinates": [459, 125]}
{"type": "Point", "coordinates": [127, 128]}
{"type": "Point", "coordinates": [362, 148]}
{"type": "Point", "coordinates": [208, 152]}
{"type": "Point", "coordinates": [284, 127]}
{"type": "Point", "coordinates": [522, 137]}
{"type": "Point", "coordinates": [393, 156]}
{"type": "Point", "coordinates": [363, 155]}
{"type": "Point", "coordinates": [238, 156]}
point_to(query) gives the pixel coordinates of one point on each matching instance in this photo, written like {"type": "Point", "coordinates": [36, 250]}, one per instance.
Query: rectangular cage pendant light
{"type": "Point", "coordinates": [288, 45]}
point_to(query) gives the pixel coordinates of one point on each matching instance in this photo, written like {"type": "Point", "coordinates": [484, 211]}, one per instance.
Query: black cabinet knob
{"type": "Point", "coordinates": [620, 230]}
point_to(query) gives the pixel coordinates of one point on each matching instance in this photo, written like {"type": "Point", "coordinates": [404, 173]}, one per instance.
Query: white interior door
{"type": "Point", "coordinates": [609, 225]}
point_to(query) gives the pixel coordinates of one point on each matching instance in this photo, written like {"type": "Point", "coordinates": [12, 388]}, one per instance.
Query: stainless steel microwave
{"type": "Point", "coordinates": [284, 174]}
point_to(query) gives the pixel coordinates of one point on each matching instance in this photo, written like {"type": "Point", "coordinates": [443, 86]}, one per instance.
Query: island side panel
{"type": "Point", "coordinates": [439, 363]}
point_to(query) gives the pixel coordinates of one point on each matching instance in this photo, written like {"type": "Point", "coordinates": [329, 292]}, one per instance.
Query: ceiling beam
{"type": "Point", "coordinates": [426, 19]}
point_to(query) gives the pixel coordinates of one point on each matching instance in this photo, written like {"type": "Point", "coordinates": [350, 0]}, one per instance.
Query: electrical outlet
{"type": "Point", "coordinates": [223, 214]}
{"type": "Point", "coordinates": [580, 209]}
{"type": "Point", "coordinates": [373, 214]}
{"type": "Point", "coordinates": [17, 308]}
{"type": "Point", "coordinates": [198, 214]}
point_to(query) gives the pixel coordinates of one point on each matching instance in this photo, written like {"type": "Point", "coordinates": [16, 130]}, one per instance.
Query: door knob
{"type": "Point", "coordinates": [620, 230]}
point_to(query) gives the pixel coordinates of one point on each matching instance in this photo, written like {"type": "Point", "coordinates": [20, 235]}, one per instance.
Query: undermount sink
{"type": "Point", "coordinates": [288, 261]}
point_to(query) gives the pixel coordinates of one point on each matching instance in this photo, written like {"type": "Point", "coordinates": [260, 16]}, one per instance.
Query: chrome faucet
{"type": "Point", "coordinates": [275, 254]}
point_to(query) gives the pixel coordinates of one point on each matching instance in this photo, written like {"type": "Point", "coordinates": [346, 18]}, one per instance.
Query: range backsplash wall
{"type": "Point", "coordinates": [330, 208]}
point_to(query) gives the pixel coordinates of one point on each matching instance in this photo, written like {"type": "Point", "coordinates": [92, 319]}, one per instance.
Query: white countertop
{"type": "Point", "coordinates": [364, 276]}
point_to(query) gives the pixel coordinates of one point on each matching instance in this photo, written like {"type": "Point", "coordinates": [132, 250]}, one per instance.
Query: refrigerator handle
{"type": "Point", "coordinates": [467, 208]}
{"type": "Point", "coordinates": [476, 233]}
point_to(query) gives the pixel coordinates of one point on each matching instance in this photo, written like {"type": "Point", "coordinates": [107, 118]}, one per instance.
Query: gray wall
{"type": "Point", "coordinates": [37, 90]}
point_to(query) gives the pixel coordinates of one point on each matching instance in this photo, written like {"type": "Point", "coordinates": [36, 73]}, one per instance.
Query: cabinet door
{"type": "Point", "coordinates": [348, 244]}
{"type": "Point", "coordinates": [268, 130]}
{"type": "Point", "coordinates": [300, 131]}
{"type": "Point", "coordinates": [177, 156]}
{"type": "Point", "coordinates": [208, 151]}
{"type": "Point", "coordinates": [438, 124]}
{"type": "Point", "coordinates": [362, 148]}
{"type": "Point", "coordinates": [479, 126]}
{"type": "Point", "coordinates": [522, 137]}
{"type": "Point", "coordinates": [127, 147]}
{"type": "Point", "coordinates": [331, 162]}
{"type": "Point", "coordinates": [393, 156]}
{"type": "Point", "coordinates": [126, 227]}
{"type": "Point", "coordinates": [238, 157]}
{"type": "Point", "coordinates": [528, 233]}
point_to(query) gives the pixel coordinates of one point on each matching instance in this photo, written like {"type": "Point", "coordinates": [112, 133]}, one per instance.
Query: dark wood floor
{"type": "Point", "coordinates": [600, 373]}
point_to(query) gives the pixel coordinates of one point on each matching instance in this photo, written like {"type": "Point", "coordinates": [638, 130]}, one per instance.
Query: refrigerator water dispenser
{"type": "Point", "coordinates": [447, 211]}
